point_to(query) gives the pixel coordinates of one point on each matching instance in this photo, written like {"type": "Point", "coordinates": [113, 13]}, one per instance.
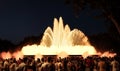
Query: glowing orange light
{"type": "Point", "coordinates": [6, 55]}
{"type": "Point", "coordinates": [17, 55]}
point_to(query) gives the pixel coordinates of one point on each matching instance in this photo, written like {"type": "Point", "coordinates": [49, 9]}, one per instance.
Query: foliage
{"type": "Point", "coordinates": [6, 45]}
{"type": "Point", "coordinates": [105, 42]}
{"type": "Point", "coordinates": [110, 9]}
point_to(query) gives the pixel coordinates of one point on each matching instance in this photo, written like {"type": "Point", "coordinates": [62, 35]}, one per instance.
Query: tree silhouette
{"type": "Point", "coordinates": [6, 45]}
{"type": "Point", "coordinates": [110, 9]}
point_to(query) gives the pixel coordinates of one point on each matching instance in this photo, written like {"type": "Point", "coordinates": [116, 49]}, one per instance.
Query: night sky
{"type": "Point", "coordinates": [22, 18]}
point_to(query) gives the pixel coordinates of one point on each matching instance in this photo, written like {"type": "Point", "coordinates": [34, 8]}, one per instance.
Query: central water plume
{"type": "Point", "coordinates": [62, 36]}
{"type": "Point", "coordinates": [61, 41]}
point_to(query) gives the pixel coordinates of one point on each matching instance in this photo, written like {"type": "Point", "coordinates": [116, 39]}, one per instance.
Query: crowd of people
{"type": "Point", "coordinates": [51, 63]}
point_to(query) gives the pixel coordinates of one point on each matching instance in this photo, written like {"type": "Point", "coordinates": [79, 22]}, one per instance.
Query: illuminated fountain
{"type": "Point", "coordinates": [61, 41]}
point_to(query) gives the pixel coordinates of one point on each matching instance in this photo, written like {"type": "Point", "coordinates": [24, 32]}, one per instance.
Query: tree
{"type": "Point", "coordinates": [6, 45]}
{"type": "Point", "coordinates": [110, 9]}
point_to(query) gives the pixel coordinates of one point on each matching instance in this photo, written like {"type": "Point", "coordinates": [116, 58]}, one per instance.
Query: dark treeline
{"type": "Point", "coordinates": [105, 42]}
{"type": "Point", "coordinates": [6, 45]}
{"type": "Point", "coordinates": [29, 41]}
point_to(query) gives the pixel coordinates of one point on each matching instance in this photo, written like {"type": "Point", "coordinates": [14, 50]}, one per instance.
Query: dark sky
{"type": "Point", "coordinates": [22, 18]}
